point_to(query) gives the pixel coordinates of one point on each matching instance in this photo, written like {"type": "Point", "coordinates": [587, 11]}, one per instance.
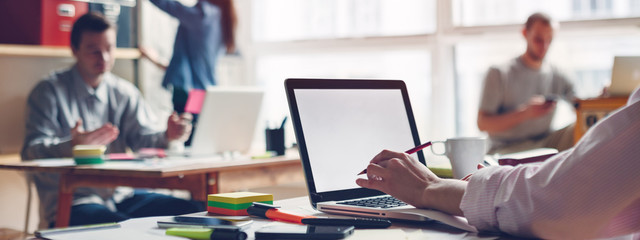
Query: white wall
{"type": "Point", "coordinates": [18, 75]}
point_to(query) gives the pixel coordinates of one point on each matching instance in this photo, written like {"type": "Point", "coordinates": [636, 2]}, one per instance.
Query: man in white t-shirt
{"type": "Point", "coordinates": [519, 98]}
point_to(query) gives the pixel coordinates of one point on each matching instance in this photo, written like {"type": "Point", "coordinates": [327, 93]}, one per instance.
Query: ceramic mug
{"type": "Point", "coordinates": [464, 153]}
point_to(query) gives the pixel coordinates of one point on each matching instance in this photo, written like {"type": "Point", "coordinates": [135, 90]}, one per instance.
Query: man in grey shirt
{"type": "Point", "coordinates": [87, 104]}
{"type": "Point", "coordinates": [519, 98]}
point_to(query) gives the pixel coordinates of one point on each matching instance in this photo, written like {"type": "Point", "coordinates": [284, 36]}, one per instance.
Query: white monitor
{"type": "Point", "coordinates": [625, 75]}
{"type": "Point", "coordinates": [227, 121]}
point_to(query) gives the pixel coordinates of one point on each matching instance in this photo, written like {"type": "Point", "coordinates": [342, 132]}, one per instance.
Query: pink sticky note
{"type": "Point", "coordinates": [195, 101]}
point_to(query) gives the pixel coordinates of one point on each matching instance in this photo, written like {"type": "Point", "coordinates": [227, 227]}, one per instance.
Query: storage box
{"type": "Point", "coordinates": [39, 22]}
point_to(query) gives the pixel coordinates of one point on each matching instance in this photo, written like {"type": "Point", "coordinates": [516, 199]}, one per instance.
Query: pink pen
{"type": "Point", "coordinates": [410, 151]}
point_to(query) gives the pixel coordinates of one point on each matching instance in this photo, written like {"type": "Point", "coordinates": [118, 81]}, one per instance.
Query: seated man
{"type": "Point", "coordinates": [87, 104]}
{"type": "Point", "coordinates": [513, 109]}
{"type": "Point", "coordinates": [588, 191]}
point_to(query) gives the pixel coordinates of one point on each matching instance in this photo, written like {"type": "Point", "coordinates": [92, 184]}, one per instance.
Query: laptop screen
{"type": "Point", "coordinates": [342, 124]}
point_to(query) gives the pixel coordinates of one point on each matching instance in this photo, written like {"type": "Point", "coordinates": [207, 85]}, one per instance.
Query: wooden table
{"type": "Point", "coordinates": [200, 176]}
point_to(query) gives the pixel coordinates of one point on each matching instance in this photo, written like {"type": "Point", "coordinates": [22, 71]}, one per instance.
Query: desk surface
{"type": "Point", "coordinates": [146, 228]}
{"type": "Point", "coordinates": [167, 167]}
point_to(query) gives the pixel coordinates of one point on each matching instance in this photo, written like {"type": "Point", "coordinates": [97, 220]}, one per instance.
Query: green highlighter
{"type": "Point", "coordinates": [208, 233]}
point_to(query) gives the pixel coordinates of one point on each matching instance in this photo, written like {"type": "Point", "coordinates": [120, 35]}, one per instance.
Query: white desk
{"type": "Point", "coordinates": [146, 228]}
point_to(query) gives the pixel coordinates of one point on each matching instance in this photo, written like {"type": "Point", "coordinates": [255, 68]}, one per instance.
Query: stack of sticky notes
{"type": "Point", "coordinates": [236, 203]}
{"type": "Point", "coordinates": [88, 154]}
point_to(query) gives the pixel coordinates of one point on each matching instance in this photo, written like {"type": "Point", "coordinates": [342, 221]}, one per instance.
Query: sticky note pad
{"type": "Point", "coordinates": [195, 101]}
{"type": "Point", "coordinates": [240, 197]}
{"type": "Point", "coordinates": [88, 150]}
{"type": "Point", "coordinates": [235, 204]}
{"type": "Point", "coordinates": [88, 154]}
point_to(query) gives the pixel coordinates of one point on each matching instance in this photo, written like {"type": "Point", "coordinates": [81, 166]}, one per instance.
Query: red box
{"type": "Point", "coordinates": [40, 22]}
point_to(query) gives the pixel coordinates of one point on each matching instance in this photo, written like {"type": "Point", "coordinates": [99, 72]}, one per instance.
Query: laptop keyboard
{"type": "Point", "coordinates": [379, 202]}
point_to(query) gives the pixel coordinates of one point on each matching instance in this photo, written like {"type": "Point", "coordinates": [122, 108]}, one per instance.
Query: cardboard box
{"type": "Point", "coordinates": [39, 22]}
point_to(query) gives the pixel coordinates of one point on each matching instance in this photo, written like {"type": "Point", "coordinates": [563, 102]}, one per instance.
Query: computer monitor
{"type": "Point", "coordinates": [227, 121]}
{"type": "Point", "coordinates": [625, 75]}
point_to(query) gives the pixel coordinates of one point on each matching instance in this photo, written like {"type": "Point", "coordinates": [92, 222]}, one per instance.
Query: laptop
{"type": "Point", "coordinates": [227, 121]}
{"type": "Point", "coordinates": [625, 75]}
{"type": "Point", "coordinates": [340, 125]}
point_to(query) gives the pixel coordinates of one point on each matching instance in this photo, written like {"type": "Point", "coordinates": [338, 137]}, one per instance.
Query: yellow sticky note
{"type": "Point", "coordinates": [240, 197]}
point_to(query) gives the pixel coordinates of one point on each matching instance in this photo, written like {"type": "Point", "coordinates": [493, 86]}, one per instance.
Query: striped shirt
{"type": "Point", "coordinates": [589, 191]}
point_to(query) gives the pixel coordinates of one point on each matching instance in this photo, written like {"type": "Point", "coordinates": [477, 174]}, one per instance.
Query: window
{"type": "Point", "coordinates": [441, 48]}
{"type": "Point", "coordinates": [412, 66]}
{"type": "Point", "coordinates": [585, 57]}
{"type": "Point", "coordinates": [283, 20]}
{"type": "Point", "coordinates": [497, 12]}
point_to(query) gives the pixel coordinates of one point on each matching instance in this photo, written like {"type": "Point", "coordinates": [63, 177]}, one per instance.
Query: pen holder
{"type": "Point", "coordinates": [275, 140]}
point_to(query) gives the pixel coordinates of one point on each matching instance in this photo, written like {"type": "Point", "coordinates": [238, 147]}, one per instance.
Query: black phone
{"type": "Point", "coordinates": [181, 221]}
{"type": "Point", "coordinates": [550, 98]}
{"type": "Point", "coordinates": [304, 232]}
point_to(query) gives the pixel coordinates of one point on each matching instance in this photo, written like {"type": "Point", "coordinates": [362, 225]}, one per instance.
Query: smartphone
{"type": "Point", "coordinates": [550, 98]}
{"type": "Point", "coordinates": [304, 232]}
{"type": "Point", "coordinates": [181, 221]}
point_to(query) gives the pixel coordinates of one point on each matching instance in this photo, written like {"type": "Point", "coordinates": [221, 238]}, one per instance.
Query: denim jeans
{"type": "Point", "coordinates": [142, 204]}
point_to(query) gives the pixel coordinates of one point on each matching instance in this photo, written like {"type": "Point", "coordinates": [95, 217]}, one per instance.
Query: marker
{"type": "Point", "coordinates": [410, 151]}
{"type": "Point", "coordinates": [208, 233]}
{"type": "Point", "coordinates": [272, 212]}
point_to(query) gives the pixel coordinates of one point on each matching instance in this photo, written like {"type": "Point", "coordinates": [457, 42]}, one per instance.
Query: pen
{"type": "Point", "coordinates": [208, 233]}
{"type": "Point", "coordinates": [283, 122]}
{"type": "Point", "coordinates": [410, 151]}
{"type": "Point", "coordinates": [272, 212]}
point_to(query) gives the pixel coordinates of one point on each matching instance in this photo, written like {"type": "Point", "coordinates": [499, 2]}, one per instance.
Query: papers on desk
{"type": "Point", "coordinates": [110, 234]}
{"type": "Point", "coordinates": [53, 162]}
{"type": "Point", "coordinates": [454, 221]}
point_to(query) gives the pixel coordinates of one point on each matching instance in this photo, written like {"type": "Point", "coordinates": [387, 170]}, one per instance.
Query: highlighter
{"type": "Point", "coordinates": [208, 233]}
{"type": "Point", "coordinates": [272, 212]}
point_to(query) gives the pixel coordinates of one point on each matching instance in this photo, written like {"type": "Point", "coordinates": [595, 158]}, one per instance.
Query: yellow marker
{"type": "Point", "coordinates": [208, 233]}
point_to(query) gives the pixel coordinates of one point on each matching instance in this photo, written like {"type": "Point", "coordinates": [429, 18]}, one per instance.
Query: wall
{"type": "Point", "coordinates": [18, 75]}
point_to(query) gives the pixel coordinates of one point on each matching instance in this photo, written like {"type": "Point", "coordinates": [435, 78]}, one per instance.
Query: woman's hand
{"type": "Point", "coordinates": [405, 178]}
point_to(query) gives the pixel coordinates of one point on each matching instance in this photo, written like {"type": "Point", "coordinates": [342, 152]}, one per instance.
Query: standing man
{"type": "Point", "coordinates": [87, 104]}
{"type": "Point", "coordinates": [519, 98]}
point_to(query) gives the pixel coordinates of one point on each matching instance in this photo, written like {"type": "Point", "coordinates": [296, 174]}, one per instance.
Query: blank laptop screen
{"type": "Point", "coordinates": [345, 128]}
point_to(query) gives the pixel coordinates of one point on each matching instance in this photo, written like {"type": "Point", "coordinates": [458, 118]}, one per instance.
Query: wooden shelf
{"type": "Point", "coordinates": [50, 51]}
{"type": "Point", "coordinates": [589, 111]}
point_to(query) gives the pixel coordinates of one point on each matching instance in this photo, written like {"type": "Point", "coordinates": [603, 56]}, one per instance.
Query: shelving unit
{"type": "Point", "coordinates": [590, 111]}
{"type": "Point", "coordinates": [50, 51]}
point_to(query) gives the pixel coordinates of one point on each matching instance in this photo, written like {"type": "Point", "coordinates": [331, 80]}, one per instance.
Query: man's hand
{"type": "Point", "coordinates": [538, 107]}
{"type": "Point", "coordinates": [405, 178]}
{"type": "Point", "coordinates": [179, 127]}
{"type": "Point", "coordinates": [101, 136]}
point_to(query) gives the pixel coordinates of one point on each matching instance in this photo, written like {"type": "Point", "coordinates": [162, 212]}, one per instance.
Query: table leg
{"type": "Point", "coordinates": [65, 196]}
{"type": "Point", "coordinates": [212, 183]}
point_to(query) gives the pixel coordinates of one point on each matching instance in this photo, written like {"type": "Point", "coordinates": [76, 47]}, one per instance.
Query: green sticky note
{"type": "Point", "coordinates": [239, 206]}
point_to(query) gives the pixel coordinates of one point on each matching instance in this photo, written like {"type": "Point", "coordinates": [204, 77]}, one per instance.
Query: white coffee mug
{"type": "Point", "coordinates": [464, 153]}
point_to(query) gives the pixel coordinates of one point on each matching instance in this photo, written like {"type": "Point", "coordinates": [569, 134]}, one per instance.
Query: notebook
{"type": "Point", "coordinates": [340, 125]}
{"type": "Point", "coordinates": [625, 75]}
{"type": "Point", "coordinates": [227, 121]}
